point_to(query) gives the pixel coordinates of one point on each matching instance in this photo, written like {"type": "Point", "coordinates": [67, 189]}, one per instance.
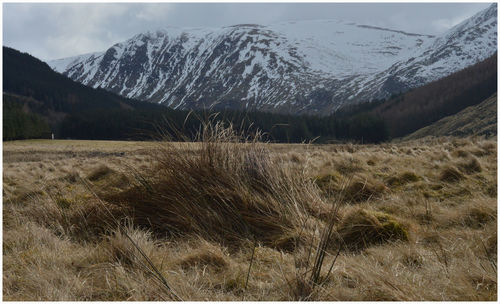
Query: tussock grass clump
{"type": "Point", "coordinates": [363, 190]}
{"type": "Point", "coordinates": [409, 177]}
{"type": "Point", "coordinates": [227, 189]}
{"type": "Point", "coordinates": [461, 153]}
{"type": "Point", "coordinates": [451, 175]}
{"type": "Point", "coordinates": [491, 190]}
{"type": "Point", "coordinates": [71, 177]}
{"type": "Point", "coordinates": [402, 179]}
{"type": "Point", "coordinates": [489, 146]}
{"type": "Point", "coordinates": [484, 149]}
{"type": "Point", "coordinates": [471, 166]}
{"type": "Point", "coordinates": [411, 258]}
{"type": "Point", "coordinates": [479, 214]}
{"type": "Point", "coordinates": [323, 181]}
{"type": "Point", "coordinates": [114, 182]}
{"type": "Point", "coordinates": [106, 180]}
{"type": "Point", "coordinates": [490, 244]}
{"type": "Point", "coordinates": [349, 166]}
{"type": "Point", "coordinates": [213, 259]}
{"type": "Point", "coordinates": [100, 172]}
{"type": "Point", "coordinates": [22, 195]}
{"type": "Point", "coordinates": [120, 250]}
{"type": "Point", "coordinates": [328, 183]}
{"type": "Point", "coordinates": [362, 228]}
{"type": "Point", "coordinates": [296, 158]}
{"type": "Point", "coordinates": [77, 220]}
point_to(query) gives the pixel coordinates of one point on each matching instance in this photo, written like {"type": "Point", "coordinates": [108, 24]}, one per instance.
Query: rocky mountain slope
{"type": "Point", "coordinates": [291, 67]}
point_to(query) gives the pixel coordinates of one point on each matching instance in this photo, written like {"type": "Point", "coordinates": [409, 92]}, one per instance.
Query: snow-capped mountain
{"type": "Point", "coordinates": [295, 67]}
{"type": "Point", "coordinates": [469, 42]}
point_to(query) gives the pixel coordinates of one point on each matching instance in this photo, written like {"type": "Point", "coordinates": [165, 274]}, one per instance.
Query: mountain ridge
{"type": "Point", "coordinates": [288, 67]}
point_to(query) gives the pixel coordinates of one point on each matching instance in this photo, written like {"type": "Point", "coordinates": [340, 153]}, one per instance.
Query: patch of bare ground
{"type": "Point", "coordinates": [233, 219]}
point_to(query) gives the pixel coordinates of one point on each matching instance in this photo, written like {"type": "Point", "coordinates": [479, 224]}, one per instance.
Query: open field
{"type": "Point", "coordinates": [99, 220]}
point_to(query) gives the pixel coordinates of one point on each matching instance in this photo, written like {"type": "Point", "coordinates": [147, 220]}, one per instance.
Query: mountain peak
{"type": "Point", "coordinates": [312, 66]}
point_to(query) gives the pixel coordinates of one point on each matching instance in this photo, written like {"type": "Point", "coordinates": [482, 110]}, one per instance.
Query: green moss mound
{"type": "Point", "coordinates": [363, 228]}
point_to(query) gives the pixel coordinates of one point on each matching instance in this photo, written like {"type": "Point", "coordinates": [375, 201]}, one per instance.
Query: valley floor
{"type": "Point", "coordinates": [410, 221]}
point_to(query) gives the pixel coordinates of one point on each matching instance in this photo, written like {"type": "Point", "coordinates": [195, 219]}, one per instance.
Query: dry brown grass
{"type": "Point", "coordinates": [470, 166]}
{"type": "Point", "coordinates": [222, 190]}
{"type": "Point", "coordinates": [110, 221]}
{"type": "Point", "coordinates": [451, 174]}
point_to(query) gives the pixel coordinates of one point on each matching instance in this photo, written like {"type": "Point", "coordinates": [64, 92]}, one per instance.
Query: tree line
{"type": "Point", "coordinates": [142, 124]}
{"type": "Point", "coordinates": [19, 124]}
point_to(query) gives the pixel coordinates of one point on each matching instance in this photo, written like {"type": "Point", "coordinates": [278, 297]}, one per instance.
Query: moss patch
{"type": "Point", "coordinates": [362, 228]}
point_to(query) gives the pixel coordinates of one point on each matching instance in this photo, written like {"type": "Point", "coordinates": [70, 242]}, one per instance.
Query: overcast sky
{"type": "Point", "coordinates": [57, 30]}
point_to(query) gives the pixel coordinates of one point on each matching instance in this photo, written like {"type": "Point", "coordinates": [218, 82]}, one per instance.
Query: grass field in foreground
{"type": "Point", "coordinates": [98, 220]}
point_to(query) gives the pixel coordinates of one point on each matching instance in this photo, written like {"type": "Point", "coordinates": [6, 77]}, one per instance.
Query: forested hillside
{"type": "Point", "coordinates": [20, 123]}
{"type": "Point", "coordinates": [478, 120]}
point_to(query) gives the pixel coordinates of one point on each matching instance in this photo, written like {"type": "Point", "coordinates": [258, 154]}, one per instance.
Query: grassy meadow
{"type": "Point", "coordinates": [225, 220]}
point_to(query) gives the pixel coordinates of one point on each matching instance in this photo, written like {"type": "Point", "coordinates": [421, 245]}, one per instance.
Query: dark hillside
{"type": "Point", "coordinates": [25, 75]}
{"type": "Point", "coordinates": [32, 85]}
{"type": "Point", "coordinates": [425, 105]}
{"type": "Point", "coordinates": [478, 120]}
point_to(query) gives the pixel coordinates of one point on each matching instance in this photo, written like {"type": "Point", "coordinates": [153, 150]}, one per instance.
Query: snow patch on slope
{"type": "Point", "coordinates": [314, 65]}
